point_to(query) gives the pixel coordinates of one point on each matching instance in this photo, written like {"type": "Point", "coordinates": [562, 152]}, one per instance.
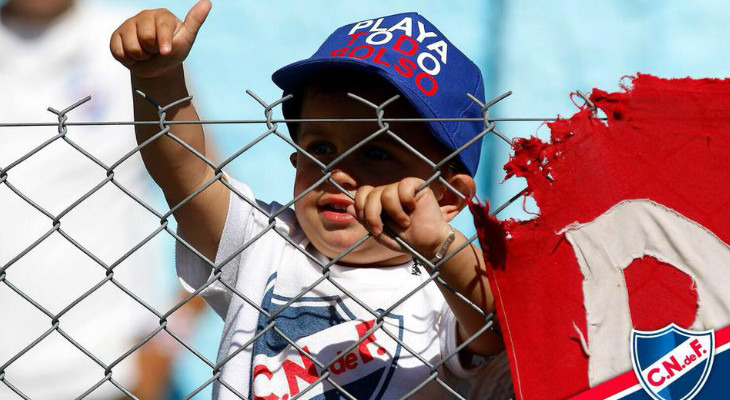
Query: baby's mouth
{"type": "Point", "coordinates": [335, 211]}
{"type": "Point", "coordinates": [339, 208]}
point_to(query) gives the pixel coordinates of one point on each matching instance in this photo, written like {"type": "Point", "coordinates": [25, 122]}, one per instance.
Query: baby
{"type": "Point", "coordinates": [322, 301]}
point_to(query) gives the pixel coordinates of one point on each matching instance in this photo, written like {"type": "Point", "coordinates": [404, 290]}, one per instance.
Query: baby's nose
{"type": "Point", "coordinates": [344, 179]}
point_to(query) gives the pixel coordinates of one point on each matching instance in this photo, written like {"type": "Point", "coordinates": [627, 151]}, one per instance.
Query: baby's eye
{"type": "Point", "coordinates": [320, 148]}
{"type": "Point", "coordinates": [376, 153]}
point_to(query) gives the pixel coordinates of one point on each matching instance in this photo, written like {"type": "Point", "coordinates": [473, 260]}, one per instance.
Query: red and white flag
{"type": "Point", "coordinates": [633, 232]}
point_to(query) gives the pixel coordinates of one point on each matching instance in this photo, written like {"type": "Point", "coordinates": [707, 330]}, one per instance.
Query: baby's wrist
{"type": "Point", "coordinates": [168, 86]}
{"type": "Point", "coordinates": [438, 248]}
{"type": "Point", "coordinates": [445, 246]}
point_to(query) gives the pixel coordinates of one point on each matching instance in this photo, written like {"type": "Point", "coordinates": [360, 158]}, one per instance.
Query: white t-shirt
{"type": "Point", "coordinates": [270, 272]}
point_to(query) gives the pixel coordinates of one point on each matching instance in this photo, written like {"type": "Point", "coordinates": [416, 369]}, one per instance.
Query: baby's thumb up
{"type": "Point", "coordinates": [194, 20]}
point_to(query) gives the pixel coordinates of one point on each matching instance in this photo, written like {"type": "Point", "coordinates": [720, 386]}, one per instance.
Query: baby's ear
{"type": "Point", "coordinates": [293, 159]}
{"type": "Point", "coordinates": [451, 203]}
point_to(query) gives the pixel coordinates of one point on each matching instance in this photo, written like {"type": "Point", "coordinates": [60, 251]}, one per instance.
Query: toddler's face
{"type": "Point", "coordinates": [322, 212]}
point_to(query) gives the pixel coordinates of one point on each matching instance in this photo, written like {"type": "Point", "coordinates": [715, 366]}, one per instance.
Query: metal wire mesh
{"type": "Point", "coordinates": [166, 128]}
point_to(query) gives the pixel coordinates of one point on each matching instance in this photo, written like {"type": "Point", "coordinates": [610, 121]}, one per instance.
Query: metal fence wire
{"type": "Point", "coordinates": [167, 128]}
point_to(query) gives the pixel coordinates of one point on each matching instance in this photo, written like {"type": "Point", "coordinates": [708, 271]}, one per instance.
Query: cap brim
{"type": "Point", "coordinates": [292, 75]}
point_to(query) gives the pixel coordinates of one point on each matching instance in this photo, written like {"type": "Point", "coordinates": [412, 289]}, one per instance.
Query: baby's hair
{"type": "Point", "coordinates": [337, 80]}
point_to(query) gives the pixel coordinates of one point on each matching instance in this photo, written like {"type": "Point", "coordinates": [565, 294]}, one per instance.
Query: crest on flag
{"type": "Point", "coordinates": [672, 363]}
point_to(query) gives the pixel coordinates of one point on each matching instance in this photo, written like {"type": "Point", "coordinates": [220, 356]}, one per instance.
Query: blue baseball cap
{"type": "Point", "coordinates": [416, 58]}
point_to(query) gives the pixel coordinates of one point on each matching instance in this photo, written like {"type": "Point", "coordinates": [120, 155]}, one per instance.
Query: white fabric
{"type": "Point", "coordinates": [630, 230]}
{"type": "Point", "coordinates": [271, 271]}
{"type": "Point", "coordinates": [490, 380]}
{"type": "Point", "coordinates": [57, 66]}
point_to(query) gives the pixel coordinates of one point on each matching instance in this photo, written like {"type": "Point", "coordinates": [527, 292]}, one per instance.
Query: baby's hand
{"type": "Point", "coordinates": [416, 217]}
{"type": "Point", "coordinates": [154, 41]}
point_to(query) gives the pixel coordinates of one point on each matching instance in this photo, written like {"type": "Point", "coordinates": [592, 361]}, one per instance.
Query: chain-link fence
{"type": "Point", "coordinates": [269, 320]}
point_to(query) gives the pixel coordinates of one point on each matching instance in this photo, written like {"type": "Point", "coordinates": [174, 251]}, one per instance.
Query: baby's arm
{"type": "Point", "coordinates": [421, 219]}
{"type": "Point", "coordinates": [153, 45]}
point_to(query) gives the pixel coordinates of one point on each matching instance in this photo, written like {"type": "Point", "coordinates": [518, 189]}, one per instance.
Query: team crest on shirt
{"type": "Point", "coordinates": [325, 328]}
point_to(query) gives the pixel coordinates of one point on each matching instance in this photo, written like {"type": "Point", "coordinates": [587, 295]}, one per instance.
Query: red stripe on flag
{"type": "Point", "coordinates": [722, 337]}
